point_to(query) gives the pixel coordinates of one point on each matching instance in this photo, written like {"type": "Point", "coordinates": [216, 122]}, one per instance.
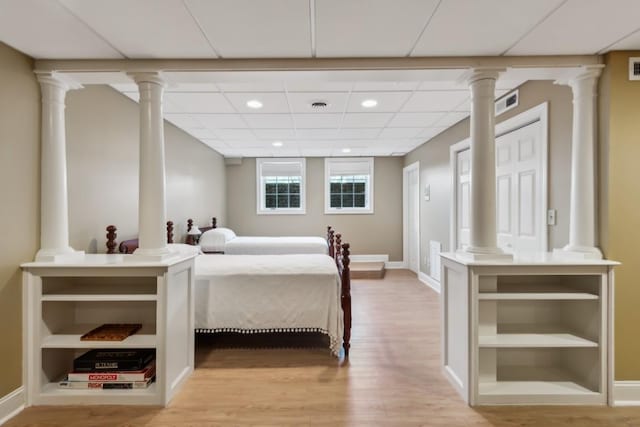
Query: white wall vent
{"type": "Point", "coordinates": [634, 68]}
{"type": "Point", "coordinates": [507, 102]}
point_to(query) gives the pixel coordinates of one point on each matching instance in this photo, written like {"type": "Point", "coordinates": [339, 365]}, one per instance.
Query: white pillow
{"type": "Point", "coordinates": [184, 249]}
{"type": "Point", "coordinates": [214, 240]}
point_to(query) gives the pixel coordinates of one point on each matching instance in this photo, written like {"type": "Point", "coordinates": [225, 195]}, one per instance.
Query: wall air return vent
{"type": "Point", "coordinates": [634, 68]}
{"type": "Point", "coordinates": [507, 102]}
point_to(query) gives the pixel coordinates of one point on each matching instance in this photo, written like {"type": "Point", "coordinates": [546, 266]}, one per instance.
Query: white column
{"type": "Point", "coordinates": [152, 193]}
{"type": "Point", "coordinates": [54, 205]}
{"type": "Point", "coordinates": [483, 238]}
{"type": "Point", "coordinates": [582, 222]}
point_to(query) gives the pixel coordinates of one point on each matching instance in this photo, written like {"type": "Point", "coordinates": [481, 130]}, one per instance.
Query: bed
{"type": "Point", "coordinates": [275, 293]}
{"type": "Point", "coordinates": [129, 246]}
{"type": "Point", "coordinates": [224, 241]}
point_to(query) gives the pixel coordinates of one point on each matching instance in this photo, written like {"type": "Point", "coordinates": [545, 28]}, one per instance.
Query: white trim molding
{"type": "Point", "coordinates": [379, 258]}
{"type": "Point", "coordinates": [429, 281]}
{"type": "Point", "coordinates": [626, 393]}
{"type": "Point", "coordinates": [11, 404]}
{"type": "Point", "coordinates": [415, 166]}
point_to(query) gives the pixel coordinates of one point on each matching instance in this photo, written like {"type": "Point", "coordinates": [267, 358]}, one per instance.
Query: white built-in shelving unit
{"type": "Point", "coordinates": [62, 301]}
{"type": "Point", "coordinates": [528, 331]}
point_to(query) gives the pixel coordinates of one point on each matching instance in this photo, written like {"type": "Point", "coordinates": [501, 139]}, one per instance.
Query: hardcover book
{"type": "Point", "coordinates": [142, 375]}
{"type": "Point", "coordinates": [113, 360]}
{"type": "Point", "coordinates": [105, 385]}
{"type": "Point", "coordinates": [111, 332]}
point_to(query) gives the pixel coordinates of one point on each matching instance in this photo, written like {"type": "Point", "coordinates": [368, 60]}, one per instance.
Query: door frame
{"type": "Point", "coordinates": [405, 213]}
{"type": "Point", "coordinates": [538, 113]}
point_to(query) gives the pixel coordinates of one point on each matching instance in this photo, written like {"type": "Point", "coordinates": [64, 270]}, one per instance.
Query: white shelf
{"type": "Point", "coordinates": [533, 340]}
{"type": "Point", "coordinates": [70, 338]}
{"type": "Point", "coordinates": [52, 389]}
{"type": "Point", "coordinates": [506, 296]}
{"type": "Point", "coordinates": [99, 297]}
{"type": "Point", "coordinates": [509, 388]}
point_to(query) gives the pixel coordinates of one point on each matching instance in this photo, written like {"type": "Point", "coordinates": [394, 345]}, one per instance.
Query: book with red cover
{"type": "Point", "coordinates": [103, 360]}
{"type": "Point", "coordinates": [141, 375]}
{"type": "Point", "coordinates": [100, 385]}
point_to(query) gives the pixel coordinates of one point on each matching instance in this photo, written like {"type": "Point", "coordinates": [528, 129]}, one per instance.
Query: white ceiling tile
{"type": "Point", "coordinates": [200, 133]}
{"type": "Point", "coordinates": [277, 86]}
{"type": "Point", "coordinates": [265, 121]}
{"type": "Point", "coordinates": [317, 120]}
{"type": "Point", "coordinates": [444, 85]}
{"type": "Point", "coordinates": [384, 86]}
{"type": "Point", "coordinates": [631, 42]}
{"type": "Point", "coordinates": [194, 102]}
{"type": "Point", "coordinates": [227, 134]}
{"type": "Point", "coordinates": [366, 120]}
{"type": "Point", "coordinates": [358, 133]}
{"type": "Point", "coordinates": [275, 134]}
{"type": "Point", "coordinates": [581, 27]}
{"type": "Point", "coordinates": [479, 28]}
{"type": "Point", "coordinates": [400, 132]}
{"type": "Point", "coordinates": [464, 106]}
{"type": "Point", "coordinates": [300, 102]}
{"type": "Point", "coordinates": [369, 27]}
{"type": "Point", "coordinates": [45, 29]}
{"type": "Point", "coordinates": [192, 87]}
{"type": "Point", "coordinates": [415, 119]}
{"type": "Point", "coordinates": [432, 131]}
{"type": "Point", "coordinates": [387, 101]}
{"type": "Point", "coordinates": [272, 102]}
{"type": "Point", "coordinates": [216, 144]}
{"type": "Point", "coordinates": [316, 133]}
{"type": "Point", "coordinates": [452, 118]}
{"type": "Point", "coordinates": [255, 29]}
{"type": "Point", "coordinates": [306, 85]}
{"type": "Point", "coordinates": [434, 101]}
{"type": "Point", "coordinates": [168, 32]}
{"type": "Point", "coordinates": [183, 120]}
{"type": "Point", "coordinates": [221, 121]}
{"type": "Point", "coordinates": [316, 152]}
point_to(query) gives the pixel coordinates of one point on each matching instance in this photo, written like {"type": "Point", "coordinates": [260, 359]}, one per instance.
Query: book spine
{"type": "Point", "coordinates": [109, 377]}
{"type": "Point", "coordinates": [111, 365]}
{"type": "Point", "coordinates": [103, 385]}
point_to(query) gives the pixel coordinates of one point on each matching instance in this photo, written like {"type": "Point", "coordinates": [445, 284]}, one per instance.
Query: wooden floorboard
{"type": "Point", "coordinates": [392, 379]}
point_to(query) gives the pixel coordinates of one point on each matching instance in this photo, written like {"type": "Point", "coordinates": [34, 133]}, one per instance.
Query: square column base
{"type": "Point", "coordinates": [569, 253]}
{"type": "Point", "coordinates": [497, 255]}
{"type": "Point", "coordinates": [59, 258]}
{"type": "Point", "coordinates": [151, 255]}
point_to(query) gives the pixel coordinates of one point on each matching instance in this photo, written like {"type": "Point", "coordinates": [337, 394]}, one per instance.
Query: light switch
{"type": "Point", "coordinates": [551, 217]}
{"type": "Point", "coordinates": [427, 192]}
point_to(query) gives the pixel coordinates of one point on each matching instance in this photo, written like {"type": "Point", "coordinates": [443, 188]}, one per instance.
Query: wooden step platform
{"type": "Point", "coordinates": [367, 270]}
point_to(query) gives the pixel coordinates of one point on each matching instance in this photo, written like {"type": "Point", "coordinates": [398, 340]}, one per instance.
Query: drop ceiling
{"type": "Point", "coordinates": [411, 108]}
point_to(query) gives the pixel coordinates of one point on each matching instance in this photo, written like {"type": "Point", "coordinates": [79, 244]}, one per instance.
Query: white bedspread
{"type": "Point", "coordinates": [269, 293]}
{"type": "Point", "coordinates": [259, 245]}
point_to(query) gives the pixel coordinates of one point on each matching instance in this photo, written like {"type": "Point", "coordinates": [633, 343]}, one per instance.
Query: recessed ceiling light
{"type": "Point", "coordinates": [346, 150]}
{"type": "Point", "coordinates": [369, 103]}
{"type": "Point", "coordinates": [277, 144]}
{"type": "Point", "coordinates": [254, 103]}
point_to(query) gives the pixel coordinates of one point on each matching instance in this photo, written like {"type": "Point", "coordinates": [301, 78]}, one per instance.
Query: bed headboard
{"type": "Point", "coordinates": [129, 246]}
{"type": "Point", "coordinates": [190, 240]}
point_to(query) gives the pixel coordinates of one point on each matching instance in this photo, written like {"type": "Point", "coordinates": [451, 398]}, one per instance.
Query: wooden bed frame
{"type": "Point", "coordinates": [339, 251]}
{"type": "Point", "coordinates": [129, 246]}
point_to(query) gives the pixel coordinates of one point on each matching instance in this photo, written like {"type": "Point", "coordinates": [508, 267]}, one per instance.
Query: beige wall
{"type": "Point", "coordinates": [620, 204]}
{"type": "Point", "coordinates": [102, 153]}
{"type": "Point", "coordinates": [377, 233]}
{"type": "Point", "coordinates": [20, 189]}
{"type": "Point", "coordinates": [435, 169]}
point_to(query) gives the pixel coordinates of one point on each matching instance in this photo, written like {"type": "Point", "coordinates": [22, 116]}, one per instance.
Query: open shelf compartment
{"type": "Point", "coordinates": [99, 288]}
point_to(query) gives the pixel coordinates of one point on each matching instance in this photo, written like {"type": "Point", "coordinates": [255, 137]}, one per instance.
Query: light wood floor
{"type": "Point", "coordinates": [393, 379]}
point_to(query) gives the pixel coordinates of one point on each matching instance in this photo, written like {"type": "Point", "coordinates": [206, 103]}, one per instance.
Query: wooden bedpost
{"type": "Point", "coordinates": [332, 253]}
{"type": "Point", "coordinates": [189, 225]}
{"type": "Point", "coordinates": [111, 239]}
{"type": "Point", "coordinates": [189, 240]}
{"type": "Point", "coordinates": [337, 250]}
{"type": "Point", "coordinates": [169, 231]}
{"type": "Point", "coordinates": [214, 222]}
{"type": "Point", "coordinates": [346, 298]}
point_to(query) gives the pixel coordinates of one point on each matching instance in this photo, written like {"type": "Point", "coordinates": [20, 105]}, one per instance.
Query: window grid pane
{"type": "Point", "coordinates": [282, 192]}
{"type": "Point", "coordinates": [348, 191]}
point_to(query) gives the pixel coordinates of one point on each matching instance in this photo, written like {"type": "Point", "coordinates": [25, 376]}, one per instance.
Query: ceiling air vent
{"type": "Point", "coordinates": [507, 102]}
{"type": "Point", "coordinates": [319, 105]}
{"type": "Point", "coordinates": [634, 68]}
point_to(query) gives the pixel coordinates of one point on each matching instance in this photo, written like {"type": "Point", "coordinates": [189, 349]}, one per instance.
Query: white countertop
{"type": "Point", "coordinates": [529, 259]}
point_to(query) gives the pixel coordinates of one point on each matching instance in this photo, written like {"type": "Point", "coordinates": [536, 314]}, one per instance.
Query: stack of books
{"type": "Point", "coordinates": [112, 369]}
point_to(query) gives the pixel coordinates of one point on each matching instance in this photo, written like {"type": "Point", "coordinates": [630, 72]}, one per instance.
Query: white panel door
{"type": "Point", "coordinates": [463, 182]}
{"type": "Point", "coordinates": [413, 218]}
{"type": "Point", "coordinates": [520, 209]}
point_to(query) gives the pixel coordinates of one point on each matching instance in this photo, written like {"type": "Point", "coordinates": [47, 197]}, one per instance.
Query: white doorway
{"type": "Point", "coordinates": [521, 184]}
{"type": "Point", "coordinates": [411, 216]}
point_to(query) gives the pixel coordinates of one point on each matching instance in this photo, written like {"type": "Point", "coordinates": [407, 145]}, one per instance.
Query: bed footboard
{"type": "Point", "coordinates": [345, 295]}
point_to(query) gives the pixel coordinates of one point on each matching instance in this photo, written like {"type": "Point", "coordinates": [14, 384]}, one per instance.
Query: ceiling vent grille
{"type": "Point", "coordinates": [634, 68]}
{"type": "Point", "coordinates": [507, 102]}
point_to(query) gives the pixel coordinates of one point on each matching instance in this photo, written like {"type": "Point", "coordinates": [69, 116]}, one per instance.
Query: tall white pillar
{"type": "Point", "coordinates": [582, 222]}
{"type": "Point", "coordinates": [54, 204]}
{"type": "Point", "coordinates": [483, 238]}
{"type": "Point", "coordinates": [152, 182]}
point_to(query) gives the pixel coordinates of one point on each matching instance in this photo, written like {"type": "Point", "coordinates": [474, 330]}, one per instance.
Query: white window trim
{"type": "Point", "coordinates": [260, 189]}
{"type": "Point", "coordinates": [327, 187]}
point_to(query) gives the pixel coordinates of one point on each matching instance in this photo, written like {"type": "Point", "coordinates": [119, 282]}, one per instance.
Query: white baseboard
{"type": "Point", "coordinates": [11, 405]}
{"type": "Point", "coordinates": [370, 258]}
{"type": "Point", "coordinates": [391, 265]}
{"type": "Point", "coordinates": [429, 281]}
{"type": "Point", "coordinates": [626, 393]}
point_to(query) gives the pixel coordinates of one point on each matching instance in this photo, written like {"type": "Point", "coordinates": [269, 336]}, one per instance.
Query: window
{"type": "Point", "coordinates": [348, 185]}
{"type": "Point", "coordinates": [280, 185]}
